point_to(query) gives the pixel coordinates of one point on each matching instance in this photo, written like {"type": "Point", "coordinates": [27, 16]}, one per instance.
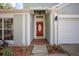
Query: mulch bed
{"type": "Point", "coordinates": [1, 51]}
{"type": "Point", "coordinates": [18, 51]}
{"type": "Point", "coordinates": [54, 49]}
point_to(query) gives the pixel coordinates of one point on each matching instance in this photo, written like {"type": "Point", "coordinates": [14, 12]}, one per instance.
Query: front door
{"type": "Point", "coordinates": [39, 26]}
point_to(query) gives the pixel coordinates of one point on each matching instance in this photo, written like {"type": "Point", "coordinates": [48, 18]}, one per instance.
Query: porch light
{"type": "Point", "coordinates": [56, 18]}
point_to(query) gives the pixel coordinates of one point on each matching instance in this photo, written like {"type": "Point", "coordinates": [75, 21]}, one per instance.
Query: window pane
{"type": "Point", "coordinates": [0, 34]}
{"type": "Point", "coordinates": [5, 20]}
{"type": "Point", "coordinates": [8, 20]}
{"type": "Point", "coordinates": [39, 16]}
{"type": "Point", "coordinates": [8, 35]}
{"type": "Point", "coordinates": [0, 20]}
{"type": "Point", "coordinates": [8, 23]}
{"type": "Point", "coordinates": [0, 23]}
{"type": "Point", "coordinates": [0, 28]}
{"type": "Point", "coordinates": [8, 26]}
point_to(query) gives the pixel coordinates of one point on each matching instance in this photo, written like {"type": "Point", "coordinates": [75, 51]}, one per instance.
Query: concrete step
{"type": "Point", "coordinates": [40, 54]}
{"type": "Point", "coordinates": [57, 55]}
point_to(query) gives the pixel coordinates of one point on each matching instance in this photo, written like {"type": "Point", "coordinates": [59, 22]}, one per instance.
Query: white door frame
{"type": "Point", "coordinates": [35, 37]}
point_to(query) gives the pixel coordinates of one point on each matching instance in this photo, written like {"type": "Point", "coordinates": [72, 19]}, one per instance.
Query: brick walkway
{"type": "Point", "coordinates": [39, 42]}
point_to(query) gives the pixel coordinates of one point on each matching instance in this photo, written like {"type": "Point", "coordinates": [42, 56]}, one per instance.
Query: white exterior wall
{"type": "Point", "coordinates": [71, 8]}
{"type": "Point", "coordinates": [68, 30]}
{"type": "Point", "coordinates": [18, 29]}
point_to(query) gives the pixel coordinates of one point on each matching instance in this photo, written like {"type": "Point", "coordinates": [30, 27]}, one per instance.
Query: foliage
{"type": "Point", "coordinates": [7, 51]}
{"type": "Point", "coordinates": [24, 49]}
{"type": "Point", "coordinates": [5, 6]}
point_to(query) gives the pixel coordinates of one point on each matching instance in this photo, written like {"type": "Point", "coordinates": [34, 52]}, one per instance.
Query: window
{"type": "Point", "coordinates": [39, 16]}
{"type": "Point", "coordinates": [0, 29]}
{"type": "Point", "coordinates": [6, 28]}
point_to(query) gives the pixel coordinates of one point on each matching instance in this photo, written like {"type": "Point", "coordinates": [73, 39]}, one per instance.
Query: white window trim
{"type": "Point", "coordinates": [3, 29]}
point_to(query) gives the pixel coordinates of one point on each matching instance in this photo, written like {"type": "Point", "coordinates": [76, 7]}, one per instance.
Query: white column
{"type": "Point", "coordinates": [51, 29]}
{"type": "Point", "coordinates": [2, 28]}
{"type": "Point", "coordinates": [24, 30]}
{"type": "Point", "coordinates": [28, 29]}
{"type": "Point", "coordinates": [56, 31]}
{"type": "Point", "coordinates": [55, 12]}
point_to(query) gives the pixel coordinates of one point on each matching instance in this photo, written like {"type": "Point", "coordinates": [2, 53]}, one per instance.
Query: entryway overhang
{"type": "Point", "coordinates": [40, 8]}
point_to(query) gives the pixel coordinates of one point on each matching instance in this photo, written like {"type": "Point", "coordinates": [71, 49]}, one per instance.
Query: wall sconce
{"type": "Point", "coordinates": [56, 18]}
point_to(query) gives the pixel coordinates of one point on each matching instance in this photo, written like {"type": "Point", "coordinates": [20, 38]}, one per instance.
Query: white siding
{"type": "Point", "coordinates": [68, 30]}
{"type": "Point", "coordinates": [72, 8]}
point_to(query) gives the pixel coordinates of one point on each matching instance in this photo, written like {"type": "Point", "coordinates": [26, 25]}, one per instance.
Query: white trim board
{"type": "Point", "coordinates": [10, 14]}
{"type": "Point", "coordinates": [39, 8]}
{"type": "Point", "coordinates": [24, 30]}
{"type": "Point", "coordinates": [68, 16]}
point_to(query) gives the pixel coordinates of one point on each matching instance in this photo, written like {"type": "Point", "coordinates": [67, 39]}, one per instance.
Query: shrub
{"type": "Point", "coordinates": [7, 51]}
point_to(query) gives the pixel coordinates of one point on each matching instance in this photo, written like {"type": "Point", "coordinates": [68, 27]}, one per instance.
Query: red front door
{"type": "Point", "coordinates": [39, 28]}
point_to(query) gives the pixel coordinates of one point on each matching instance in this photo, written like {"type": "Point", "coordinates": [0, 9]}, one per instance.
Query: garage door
{"type": "Point", "coordinates": [68, 31]}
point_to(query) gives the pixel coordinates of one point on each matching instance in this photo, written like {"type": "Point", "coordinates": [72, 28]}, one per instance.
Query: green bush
{"type": "Point", "coordinates": [7, 51]}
